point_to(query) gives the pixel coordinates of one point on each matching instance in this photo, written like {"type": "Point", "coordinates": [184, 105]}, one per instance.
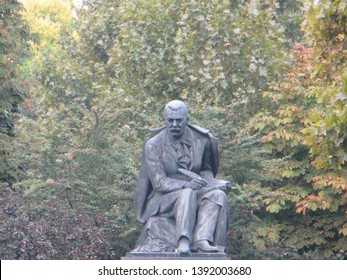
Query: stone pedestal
{"type": "Point", "coordinates": [175, 256]}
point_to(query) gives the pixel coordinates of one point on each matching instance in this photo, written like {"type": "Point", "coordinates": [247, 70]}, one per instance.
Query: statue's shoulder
{"type": "Point", "coordinates": [155, 136]}
{"type": "Point", "coordinates": [156, 131]}
{"type": "Point", "coordinates": [199, 129]}
{"type": "Point", "coordinates": [202, 131]}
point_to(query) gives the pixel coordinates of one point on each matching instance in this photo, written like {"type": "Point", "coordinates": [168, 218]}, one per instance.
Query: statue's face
{"type": "Point", "coordinates": [176, 122]}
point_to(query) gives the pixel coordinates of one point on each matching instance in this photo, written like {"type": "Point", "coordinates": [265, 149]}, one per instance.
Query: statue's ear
{"type": "Point", "coordinates": [188, 117]}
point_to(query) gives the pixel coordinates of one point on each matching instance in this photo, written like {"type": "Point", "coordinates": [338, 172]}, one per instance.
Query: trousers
{"type": "Point", "coordinates": [197, 216]}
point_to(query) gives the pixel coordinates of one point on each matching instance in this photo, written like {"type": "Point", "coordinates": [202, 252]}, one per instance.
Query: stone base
{"type": "Point", "coordinates": [174, 256]}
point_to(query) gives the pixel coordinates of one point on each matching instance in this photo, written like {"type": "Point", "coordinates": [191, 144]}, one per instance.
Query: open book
{"type": "Point", "coordinates": [218, 183]}
{"type": "Point", "coordinates": [213, 183]}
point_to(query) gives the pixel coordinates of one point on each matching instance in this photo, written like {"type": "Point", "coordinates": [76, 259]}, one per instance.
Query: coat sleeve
{"type": "Point", "coordinates": [156, 171]}
{"type": "Point", "coordinates": [213, 155]}
{"type": "Point", "coordinates": [207, 161]}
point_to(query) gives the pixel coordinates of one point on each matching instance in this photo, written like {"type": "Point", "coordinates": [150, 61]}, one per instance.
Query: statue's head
{"type": "Point", "coordinates": [176, 116]}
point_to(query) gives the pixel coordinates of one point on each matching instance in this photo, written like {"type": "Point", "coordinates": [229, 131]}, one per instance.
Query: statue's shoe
{"type": "Point", "coordinates": [183, 250]}
{"type": "Point", "coordinates": [203, 245]}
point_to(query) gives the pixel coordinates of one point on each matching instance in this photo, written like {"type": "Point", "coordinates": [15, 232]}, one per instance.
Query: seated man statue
{"type": "Point", "coordinates": [184, 207]}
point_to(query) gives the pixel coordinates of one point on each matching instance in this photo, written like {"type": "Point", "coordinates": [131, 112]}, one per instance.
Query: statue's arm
{"type": "Point", "coordinates": [156, 171]}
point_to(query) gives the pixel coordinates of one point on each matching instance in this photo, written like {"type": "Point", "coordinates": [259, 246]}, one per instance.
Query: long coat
{"type": "Point", "coordinates": [159, 169]}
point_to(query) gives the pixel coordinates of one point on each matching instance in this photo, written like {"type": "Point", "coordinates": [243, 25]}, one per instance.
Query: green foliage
{"type": "Point", "coordinates": [46, 19]}
{"type": "Point", "coordinates": [203, 52]}
{"type": "Point", "coordinates": [79, 166]}
{"type": "Point", "coordinates": [12, 35]}
{"type": "Point", "coordinates": [90, 172]}
{"type": "Point", "coordinates": [325, 133]}
{"type": "Point", "coordinates": [304, 128]}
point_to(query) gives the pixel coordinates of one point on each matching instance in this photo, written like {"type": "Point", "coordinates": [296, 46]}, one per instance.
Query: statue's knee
{"type": "Point", "coordinates": [187, 194]}
{"type": "Point", "coordinates": [222, 195]}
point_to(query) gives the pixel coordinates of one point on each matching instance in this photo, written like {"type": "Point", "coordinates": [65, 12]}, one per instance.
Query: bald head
{"type": "Point", "coordinates": [176, 105]}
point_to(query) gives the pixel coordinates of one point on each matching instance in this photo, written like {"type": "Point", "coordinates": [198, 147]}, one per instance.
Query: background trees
{"type": "Point", "coordinates": [302, 130]}
{"type": "Point", "coordinates": [100, 80]}
{"type": "Point", "coordinates": [67, 204]}
{"type": "Point", "coordinates": [13, 31]}
{"type": "Point", "coordinates": [325, 133]}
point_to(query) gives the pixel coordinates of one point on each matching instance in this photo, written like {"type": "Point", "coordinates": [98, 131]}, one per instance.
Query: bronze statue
{"type": "Point", "coordinates": [177, 196]}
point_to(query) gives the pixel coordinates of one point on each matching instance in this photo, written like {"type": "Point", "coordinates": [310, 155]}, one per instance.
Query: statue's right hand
{"type": "Point", "coordinates": [196, 184]}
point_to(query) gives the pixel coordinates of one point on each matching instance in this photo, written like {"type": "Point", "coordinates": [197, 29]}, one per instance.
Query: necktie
{"type": "Point", "coordinates": [182, 149]}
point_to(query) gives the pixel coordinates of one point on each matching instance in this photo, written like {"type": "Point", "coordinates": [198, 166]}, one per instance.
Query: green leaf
{"type": "Point", "coordinates": [343, 231]}
{"type": "Point", "coordinates": [273, 208]}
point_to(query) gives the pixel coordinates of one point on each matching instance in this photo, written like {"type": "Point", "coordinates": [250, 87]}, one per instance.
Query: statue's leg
{"type": "Point", "coordinates": [205, 227]}
{"type": "Point", "coordinates": [212, 218]}
{"type": "Point", "coordinates": [185, 213]}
